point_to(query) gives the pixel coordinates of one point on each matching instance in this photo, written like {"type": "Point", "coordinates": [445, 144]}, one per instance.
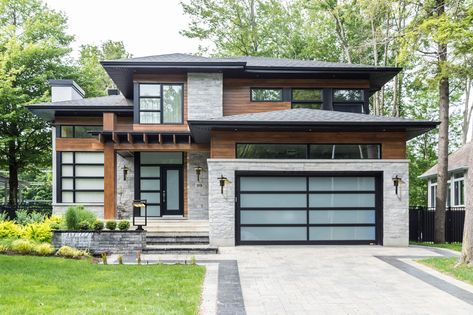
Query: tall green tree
{"type": "Point", "coordinates": [34, 46]}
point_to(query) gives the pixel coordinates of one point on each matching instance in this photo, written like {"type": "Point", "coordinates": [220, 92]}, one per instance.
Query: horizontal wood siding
{"type": "Point", "coordinates": [236, 92]}
{"type": "Point", "coordinates": [223, 143]}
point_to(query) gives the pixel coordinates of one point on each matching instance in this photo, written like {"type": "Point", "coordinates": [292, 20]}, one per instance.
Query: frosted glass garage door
{"type": "Point", "coordinates": [306, 209]}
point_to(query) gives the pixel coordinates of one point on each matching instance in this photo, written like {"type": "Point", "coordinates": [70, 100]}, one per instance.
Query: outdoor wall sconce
{"type": "Point", "coordinates": [198, 170]}
{"type": "Point", "coordinates": [125, 172]}
{"type": "Point", "coordinates": [223, 180]}
{"type": "Point", "coordinates": [396, 181]}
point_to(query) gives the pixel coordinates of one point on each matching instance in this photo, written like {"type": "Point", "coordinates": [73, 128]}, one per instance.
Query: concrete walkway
{"type": "Point", "coordinates": [339, 280]}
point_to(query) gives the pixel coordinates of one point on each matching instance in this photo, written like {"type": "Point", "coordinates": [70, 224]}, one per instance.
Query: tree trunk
{"type": "Point", "coordinates": [466, 256]}
{"type": "Point", "coordinates": [13, 175]}
{"type": "Point", "coordinates": [442, 171]}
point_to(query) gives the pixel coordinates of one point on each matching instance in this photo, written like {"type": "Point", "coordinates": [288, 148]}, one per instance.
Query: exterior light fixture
{"type": "Point", "coordinates": [137, 206]}
{"type": "Point", "coordinates": [125, 172]}
{"type": "Point", "coordinates": [396, 181]}
{"type": "Point", "coordinates": [198, 170]}
{"type": "Point", "coordinates": [223, 180]}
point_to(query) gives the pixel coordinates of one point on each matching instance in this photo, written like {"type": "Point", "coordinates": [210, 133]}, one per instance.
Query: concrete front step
{"type": "Point", "coordinates": [177, 239]}
{"type": "Point", "coordinates": [180, 249]}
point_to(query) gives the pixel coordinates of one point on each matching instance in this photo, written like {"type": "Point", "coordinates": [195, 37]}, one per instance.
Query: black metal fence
{"type": "Point", "coordinates": [421, 224]}
{"type": "Point", "coordinates": [45, 208]}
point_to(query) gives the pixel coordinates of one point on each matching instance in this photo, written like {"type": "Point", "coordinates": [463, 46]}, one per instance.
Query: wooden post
{"type": "Point", "coordinates": [110, 184]}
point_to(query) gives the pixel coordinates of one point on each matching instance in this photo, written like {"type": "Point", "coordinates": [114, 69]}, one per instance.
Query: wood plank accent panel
{"type": "Point", "coordinates": [163, 78]}
{"type": "Point", "coordinates": [78, 144]}
{"type": "Point", "coordinates": [236, 92]}
{"type": "Point", "coordinates": [110, 182]}
{"type": "Point", "coordinates": [223, 143]}
{"type": "Point", "coordinates": [109, 121]}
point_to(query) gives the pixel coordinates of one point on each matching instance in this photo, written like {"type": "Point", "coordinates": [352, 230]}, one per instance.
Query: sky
{"type": "Point", "coordinates": [147, 27]}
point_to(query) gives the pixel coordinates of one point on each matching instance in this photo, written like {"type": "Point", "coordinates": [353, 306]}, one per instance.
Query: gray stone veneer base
{"type": "Point", "coordinates": [198, 191]}
{"type": "Point", "coordinates": [60, 208]}
{"type": "Point", "coordinates": [222, 206]}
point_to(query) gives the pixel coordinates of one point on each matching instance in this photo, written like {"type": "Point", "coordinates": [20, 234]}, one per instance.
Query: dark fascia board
{"type": "Point", "coordinates": [48, 112]}
{"type": "Point", "coordinates": [173, 65]}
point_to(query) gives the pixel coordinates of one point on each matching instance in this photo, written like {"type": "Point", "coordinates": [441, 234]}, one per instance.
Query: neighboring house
{"type": "Point", "coordinates": [267, 151]}
{"type": "Point", "coordinates": [457, 169]}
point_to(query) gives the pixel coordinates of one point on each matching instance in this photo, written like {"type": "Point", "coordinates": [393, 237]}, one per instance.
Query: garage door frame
{"type": "Point", "coordinates": [378, 205]}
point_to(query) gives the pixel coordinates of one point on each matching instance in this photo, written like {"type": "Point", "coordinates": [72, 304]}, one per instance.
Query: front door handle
{"type": "Point", "coordinates": [164, 196]}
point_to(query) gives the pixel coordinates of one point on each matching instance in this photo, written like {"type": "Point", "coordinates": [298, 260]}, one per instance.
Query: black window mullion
{"type": "Point", "coordinates": [161, 109]}
{"type": "Point", "coordinates": [74, 177]}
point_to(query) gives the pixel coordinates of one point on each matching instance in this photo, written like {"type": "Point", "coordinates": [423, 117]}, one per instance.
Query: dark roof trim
{"type": "Point", "coordinates": [119, 108]}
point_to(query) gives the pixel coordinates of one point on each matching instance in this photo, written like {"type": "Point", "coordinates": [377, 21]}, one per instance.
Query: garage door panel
{"type": "Point", "coordinates": [259, 233]}
{"type": "Point", "coordinates": [342, 216]}
{"type": "Point", "coordinates": [342, 233]}
{"type": "Point", "coordinates": [273, 184]}
{"type": "Point", "coordinates": [273, 217]}
{"type": "Point", "coordinates": [273, 200]}
{"type": "Point", "coordinates": [341, 183]}
{"type": "Point", "coordinates": [341, 200]}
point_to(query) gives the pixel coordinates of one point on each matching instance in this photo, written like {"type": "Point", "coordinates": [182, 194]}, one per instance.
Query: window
{"type": "Point", "coordinates": [160, 103]}
{"type": "Point", "coordinates": [348, 101]}
{"type": "Point", "coordinates": [455, 192]}
{"type": "Point", "coordinates": [80, 177]}
{"type": "Point", "coordinates": [307, 98]}
{"type": "Point", "coordinates": [78, 131]}
{"type": "Point", "coordinates": [458, 190]}
{"type": "Point", "coordinates": [266, 95]}
{"type": "Point", "coordinates": [308, 151]}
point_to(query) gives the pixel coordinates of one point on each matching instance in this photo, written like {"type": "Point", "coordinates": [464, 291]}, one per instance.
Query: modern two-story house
{"type": "Point", "coordinates": [267, 151]}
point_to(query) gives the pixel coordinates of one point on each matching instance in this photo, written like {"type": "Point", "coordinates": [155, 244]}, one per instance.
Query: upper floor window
{"type": "Point", "coordinates": [160, 103]}
{"type": "Point", "coordinates": [77, 131]}
{"type": "Point", "coordinates": [266, 95]}
{"type": "Point", "coordinates": [307, 98]}
{"type": "Point", "coordinates": [348, 101]}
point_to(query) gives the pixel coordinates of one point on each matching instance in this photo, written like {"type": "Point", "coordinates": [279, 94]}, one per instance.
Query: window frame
{"type": "Point", "coordinates": [267, 88]}
{"type": "Point", "coordinates": [348, 103]}
{"type": "Point", "coordinates": [138, 97]}
{"type": "Point", "coordinates": [321, 102]}
{"type": "Point", "coordinates": [60, 177]}
{"type": "Point", "coordinates": [59, 133]}
{"type": "Point", "coordinates": [308, 145]}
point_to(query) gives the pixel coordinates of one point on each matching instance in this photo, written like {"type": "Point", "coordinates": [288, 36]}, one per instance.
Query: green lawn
{"type": "Point", "coordinates": [447, 265]}
{"type": "Point", "coordinates": [453, 246]}
{"type": "Point", "coordinates": [50, 285]}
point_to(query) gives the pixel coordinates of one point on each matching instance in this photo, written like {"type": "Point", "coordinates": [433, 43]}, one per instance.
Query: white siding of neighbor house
{"type": "Point", "coordinates": [222, 206]}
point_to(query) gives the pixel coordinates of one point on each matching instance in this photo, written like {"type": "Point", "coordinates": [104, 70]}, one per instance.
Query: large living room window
{"type": "Point", "coordinates": [307, 98]}
{"type": "Point", "coordinates": [307, 151]}
{"type": "Point", "coordinates": [80, 177]}
{"type": "Point", "coordinates": [160, 103]}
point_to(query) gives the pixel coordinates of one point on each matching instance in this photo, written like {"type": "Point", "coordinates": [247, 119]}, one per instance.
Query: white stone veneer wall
{"type": "Point", "coordinates": [222, 206]}
{"type": "Point", "coordinates": [125, 188]}
{"type": "Point", "coordinates": [204, 95]}
{"type": "Point", "coordinates": [198, 191]}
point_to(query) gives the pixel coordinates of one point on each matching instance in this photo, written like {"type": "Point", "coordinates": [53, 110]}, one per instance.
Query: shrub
{"type": "Point", "coordinates": [71, 252]}
{"type": "Point", "coordinates": [23, 246]}
{"type": "Point", "coordinates": [3, 216]}
{"type": "Point", "coordinates": [43, 249]}
{"type": "Point", "coordinates": [8, 229]}
{"type": "Point", "coordinates": [111, 225]}
{"type": "Point", "coordinates": [40, 232]}
{"type": "Point", "coordinates": [84, 226]}
{"type": "Point", "coordinates": [5, 245]}
{"type": "Point", "coordinates": [98, 225]}
{"type": "Point", "coordinates": [22, 217]}
{"type": "Point", "coordinates": [77, 214]}
{"type": "Point", "coordinates": [123, 225]}
{"type": "Point", "coordinates": [36, 217]}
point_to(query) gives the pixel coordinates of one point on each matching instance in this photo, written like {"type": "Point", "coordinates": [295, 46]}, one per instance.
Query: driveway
{"type": "Point", "coordinates": [344, 280]}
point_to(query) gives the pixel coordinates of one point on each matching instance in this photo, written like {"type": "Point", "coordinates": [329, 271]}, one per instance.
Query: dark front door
{"type": "Point", "coordinates": [171, 192]}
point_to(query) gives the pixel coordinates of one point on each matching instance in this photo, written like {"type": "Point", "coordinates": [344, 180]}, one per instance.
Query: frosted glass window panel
{"type": "Point", "coordinates": [89, 183]}
{"type": "Point", "coordinates": [150, 171]}
{"type": "Point", "coordinates": [172, 190]}
{"type": "Point", "coordinates": [89, 158]}
{"type": "Point", "coordinates": [67, 183]}
{"type": "Point", "coordinates": [67, 196]}
{"type": "Point", "coordinates": [151, 197]}
{"type": "Point", "coordinates": [273, 217]}
{"type": "Point", "coordinates": [150, 117]}
{"type": "Point", "coordinates": [150, 184]}
{"type": "Point", "coordinates": [161, 158]}
{"type": "Point", "coordinates": [89, 196]}
{"type": "Point", "coordinates": [273, 233]}
{"type": "Point", "coordinates": [89, 170]}
{"type": "Point", "coordinates": [272, 183]}
{"type": "Point", "coordinates": [154, 211]}
{"type": "Point", "coordinates": [66, 157]}
{"type": "Point", "coordinates": [150, 104]}
{"type": "Point", "coordinates": [273, 200]}
{"type": "Point", "coordinates": [150, 89]}
{"type": "Point", "coordinates": [172, 103]}
{"type": "Point", "coordinates": [342, 233]}
{"type": "Point", "coordinates": [341, 183]}
{"type": "Point", "coordinates": [342, 200]}
{"type": "Point", "coordinates": [342, 217]}
{"type": "Point", "coordinates": [66, 170]}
